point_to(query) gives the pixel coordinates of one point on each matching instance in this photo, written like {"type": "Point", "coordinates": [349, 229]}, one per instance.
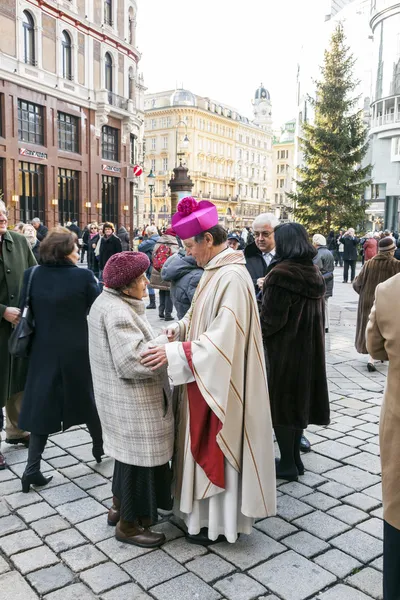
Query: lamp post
{"type": "Point", "coordinates": [150, 180]}
{"type": "Point", "coordinates": [126, 208]}
{"type": "Point", "coordinates": [15, 200]}
{"type": "Point", "coordinates": [99, 206]}
{"type": "Point", "coordinates": [185, 142]}
{"type": "Point", "coordinates": [55, 204]}
{"type": "Point", "coordinates": [88, 205]}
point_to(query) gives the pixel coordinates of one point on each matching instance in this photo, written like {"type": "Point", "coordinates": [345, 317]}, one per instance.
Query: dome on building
{"type": "Point", "coordinates": [262, 93]}
{"type": "Point", "coordinates": [183, 98]}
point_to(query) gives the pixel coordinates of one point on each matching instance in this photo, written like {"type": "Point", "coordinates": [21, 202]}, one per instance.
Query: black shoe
{"type": "Point", "coordinates": [151, 305]}
{"type": "Point", "coordinates": [23, 440]}
{"type": "Point", "coordinates": [170, 318]}
{"type": "Point", "coordinates": [202, 539]}
{"type": "Point", "coordinates": [160, 315]}
{"type": "Point", "coordinates": [305, 445]}
{"type": "Point", "coordinates": [371, 367]}
{"type": "Point", "coordinates": [286, 475]}
{"type": "Point", "coordinates": [35, 479]}
{"type": "Point", "coordinates": [98, 451]}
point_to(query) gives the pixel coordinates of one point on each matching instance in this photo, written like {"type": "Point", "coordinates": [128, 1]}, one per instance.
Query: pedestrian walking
{"type": "Point", "coordinates": [227, 480]}
{"type": "Point", "coordinates": [350, 243]}
{"type": "Point", "coordinates": [94, 239]}
{"type": "Point", "coordinates": [340, 248]}
{"type": "Point", "coordinates": [326, 264]}
{"type": "Point", "coordinates": [30, 233]}
{"type": "Point", "coordinates": [134, 402]}
{"type": "Point", "coordinates": [370, 246]}
{"type": "Point", "coordinates": [15, 257]}
{"type": "Point", "coordinates": [182, 272]}
{"type": "Point", "coordinates": [124, 237]}
{"type": "Point", "coordinates": [377, 270]}
{"type": "Point", "coordinates": [85, 243]}
{"type": "Point", "coordinates": [41, 230]}
{"type": "Point", "coordinates": [59, 390]}
{"type": "Point", "coordinates": [383, 343]}
{"type": "Point", "coordinates": [166, 246]}
{"type": "Point", "coordinates": [110, 244]}
{"type": "Point", "coordinates": [292, 323]}
{"type": "Point", "coordinates": [147, 247]}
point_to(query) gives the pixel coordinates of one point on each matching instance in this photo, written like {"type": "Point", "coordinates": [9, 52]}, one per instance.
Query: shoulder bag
{"type": "Point", "coordinates": [20, 341]}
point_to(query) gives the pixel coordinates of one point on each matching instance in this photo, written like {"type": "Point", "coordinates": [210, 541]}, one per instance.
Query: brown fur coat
{"type": "Point", "coordinates": [375, 271]}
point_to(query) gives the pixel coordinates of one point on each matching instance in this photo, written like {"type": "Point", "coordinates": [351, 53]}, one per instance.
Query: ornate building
{"type": "Point", "coordinates": [229, 157]}
{"type": "Point", "coordinates": [283, 171]}
{"type": "Point", "coordinates": [71, 110]}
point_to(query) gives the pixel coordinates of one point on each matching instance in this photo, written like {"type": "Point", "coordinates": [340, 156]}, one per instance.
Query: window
{"type": "Point", "coordinates": [108, 66]}
{"type": "Point", "coordinates": [277, 168]}
{"type": "Point", "coordinates": [276, 198]}
{"type": "Point", "coordinates": [109, 199]}
{"type": "Point", "coordinates": [31, 191]}
{"type": "Point", "coordinates": [153, 143]}
{"type": "Point", "coordinates": [108, 12]}
{"type": "Point", "coordinates": [30, 122]}
{"type": "Point", "coordinates": [153, 123]}
{"type": "Point", "coordinates": [153, 164]}
{"type": "Point", "coordinates": [68, 195]}
{"type": "Point", "coordinates": [110, 143]}
{"type": "Point", "coordinates": [165, 164]}
{"type": "Point", "coordinates": [68, 132]}
{"type": "Point", "coordinates": [29, 38]}
{"type": "Point", "coordinates": [66, 55]}
{"type": "Point", "coordinates": [133, 149]}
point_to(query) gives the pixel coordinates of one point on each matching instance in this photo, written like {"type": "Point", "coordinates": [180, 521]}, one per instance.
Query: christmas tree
{"type": "Point", "coordinates": [330, 187]}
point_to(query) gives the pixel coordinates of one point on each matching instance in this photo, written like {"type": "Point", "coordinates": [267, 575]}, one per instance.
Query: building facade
{"type": "Point", "coordinates": [71, 110]}
{"type": "Point", "coordinates": [229, 157]}
{"type": "Point", "coordinates": [283, 150]}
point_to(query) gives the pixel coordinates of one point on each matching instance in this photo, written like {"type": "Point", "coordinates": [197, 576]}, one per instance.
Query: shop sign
{"type": "Point", "coordinates": [33, 153]}
{"type": "Point", "coordinates": [111, 169]}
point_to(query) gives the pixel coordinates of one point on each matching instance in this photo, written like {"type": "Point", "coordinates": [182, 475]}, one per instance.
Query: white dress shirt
{"type": "Point", "coordinates": [268, 256]}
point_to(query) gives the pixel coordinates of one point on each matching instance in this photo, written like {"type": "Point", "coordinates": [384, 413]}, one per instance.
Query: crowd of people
{"type": "Point", "coordinates": [248, 304]}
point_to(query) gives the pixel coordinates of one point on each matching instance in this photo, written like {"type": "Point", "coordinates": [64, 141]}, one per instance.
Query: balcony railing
{"type": "Point", "coordinates": [118, 101]}
{"type": "Point", "coordinates": [386, 119]}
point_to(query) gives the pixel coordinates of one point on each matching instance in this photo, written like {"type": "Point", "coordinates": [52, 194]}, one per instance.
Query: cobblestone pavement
{"type": "Point", "coordinates": [324, 544]}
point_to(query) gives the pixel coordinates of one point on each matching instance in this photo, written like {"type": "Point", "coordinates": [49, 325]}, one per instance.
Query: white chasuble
{"type": "Point", "coordinates": [228, 367]}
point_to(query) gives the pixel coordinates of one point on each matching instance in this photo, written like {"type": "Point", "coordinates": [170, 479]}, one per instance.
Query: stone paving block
{"type": "Point", "coordinates": [350, 421]}
{"type": "Point", "coordinates": [49, 525]}
{"type": "Point", "coordinates": [319, 464]}
{"type": "Point", "coordinates": [53, 452]}
{"type": "Point", "coordinates": [210, 567]}
{"type": "Point", "coordinates": [81, 510]}
{"type": "Point", "coordinates": [120, 552]}
{"type": "Point", "coordinates": [90, 481]}
{"type": "Point", "coordinates": [22, 540]}
{"type": "Point", "coordinates": [101, 493]}
{"type": "Point", "coordinates": [373, 527]}
{"type": "Point", "coordinates": [58, 479]}
{"type": "Point", "coordinates": [36, 512]}
{"type": "Point", "coordinates": [10, 524]}
{"type": "Point", "coordinates": [185, 587]}
{"type": "Point", "coordinates": [306, 544]}
{"type": "Point", "coordinates": [331, 434]}
{"type": "Point", "coordinates": [153, 569]}
{"type": "Point", "coordinates": [239, 587]}
{"type": "Point", "coordinates": [371, 428]}
{"type": "Point", "coordinates": [129, 591]}
{"type": "Point", "coordinates": [292, 576]}
{"type": "Point", "coordinates": [275, 527]}
{"type": "Point", "coordinates": [63, 461]}
{"type": "Point", "coordinates": [96, 529]}
{"type": "Point", "coordinates": [83, 452]}
{"type": "Point", "coordinates": [378, 512]}
{"type": "Point", "coordinates": [64, 540]}
{"type": "Point", "coordinates": [4, 566]}
{"type": "Point", "coordinates": [369, 581]}
{"type": "Point", "coordinates": [320, 501]}
{"type": "Point", "coordinates": [312, 479]}
{"type": "Point", "coordinates": [353, 477]}
{"type": "Point", "coordinates": [182, 551]}
{"type": "Point", "coordinates": [69, 439]}
{"type": "Point", "coordinates": [343, 592]}
{"type": "Point", "coordinates": [354, 442]}
{"type": "Point", "coordinates": [290, 508]}
{"type": "Point", "coordinates": [361, 435]}
{"type": "Point", "coordinates": [14, 587]}
{"type": "Point", "coordinates": [83, 557]}
{"type": "Point", "coordinates": [336, 490]}
{"type": "Point", "coordinates": [4, 510]}
{"type": "Point", "coordinates": [52, 578]}
{"type": "Point", "coordinates": [366, 461]}
{"type": "Point", "coordinates": [358, 544]}
{"type": "Point", "coordinates": [375, 492]}
{"type": "Point", "coordinates": [19, 499]}
{"type": "Point", "coordinates": [6, 475]}
{"type": "Point", "coordinates": [76, 471]}
{"type": "Point", "coordinates": [334, 450]}
{"type": "Point", "coordinates": [77, 591]}
{"type": "Point", "coordinates": [377, 563]}
{"type": "Point", "coordinates": [361, 501]}
{"type": "Point", "coordinates": [338, 563]}
{"type": "Point", "coordinates": [348, 514]}
{"type": "Point", "coordinates": [34, 559]}
{"type": "Point", "coordinates": [295, 489]}
{"type": "Point", "coordinates": [63, 494]}
{"type": "Point", "coordinates": [16, 455]}
{"type": "Point", "coordinates": [105, 468]}
{"type": "Point", "coordinates": [104, 577]}
{"type": "Point", "coordinates": [170, 531]}
{"type": "Point", "coordinates": [322, 525]}
{"type": "Point", "coordinates": [249, 550]}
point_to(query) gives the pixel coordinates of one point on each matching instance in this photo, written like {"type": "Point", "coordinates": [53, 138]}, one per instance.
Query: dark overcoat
{"type": "Point", "coordinates": [326, 264]}
{"type": "Point", "coordinates": [108, 247]}
{"type": "Point", "coordinates": [255, 263]}
{"type": "Point", "coordinates": [59, 388]}
{"type": "Point", "coordinates": [293, 327]}
{"type": "Point", "coordinates": [16, 256]}
{"type": "Point", "coordinates": [375, 271]}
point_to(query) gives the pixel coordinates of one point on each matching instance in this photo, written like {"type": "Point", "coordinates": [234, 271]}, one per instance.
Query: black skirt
{"type": "Point", "coordinates": [142, 490]}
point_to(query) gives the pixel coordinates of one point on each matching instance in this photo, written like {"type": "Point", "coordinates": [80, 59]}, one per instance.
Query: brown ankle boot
{"type": "Point", "coordinates": [137, 535]}
{"type": "Point", "coordinates": [114, 512]}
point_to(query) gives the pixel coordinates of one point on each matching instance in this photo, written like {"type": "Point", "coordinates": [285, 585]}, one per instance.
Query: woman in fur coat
{"type": "Point", "coordinates": [292, 321]}
{"type": "Point", "coordinates": [375, 271]}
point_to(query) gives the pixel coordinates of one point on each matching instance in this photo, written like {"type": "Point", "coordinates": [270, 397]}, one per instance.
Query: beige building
{"type": "Point", "coordinates": [283, 171]}
{"type": "Point", "coordinates": [71, 110]}
{"type": "Point", "coordinates": [229, 157]}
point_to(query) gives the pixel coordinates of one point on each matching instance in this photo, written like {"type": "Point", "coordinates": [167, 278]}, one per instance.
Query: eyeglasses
{"type": "Point", "coordinates": [2, 222]}
{"type": "Point", "coordinates": [263, 234]}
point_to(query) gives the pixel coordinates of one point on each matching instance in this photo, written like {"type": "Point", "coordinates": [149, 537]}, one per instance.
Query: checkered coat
{"type": "Point", "coordinates": [134, 403]}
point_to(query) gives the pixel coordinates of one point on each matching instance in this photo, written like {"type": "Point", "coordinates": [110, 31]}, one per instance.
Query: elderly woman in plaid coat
{"type": "Point", "coordinates": [133, 401]}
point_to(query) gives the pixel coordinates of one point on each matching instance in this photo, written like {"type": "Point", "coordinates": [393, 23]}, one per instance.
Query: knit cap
{"type": "Point", "coordinates": [122, 268]}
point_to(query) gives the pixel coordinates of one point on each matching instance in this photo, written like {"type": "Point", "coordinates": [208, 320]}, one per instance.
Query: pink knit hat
{"type": "Point", "coordinates": [124, 267]}
{"type": "Point", "coordinates": [194, 217]}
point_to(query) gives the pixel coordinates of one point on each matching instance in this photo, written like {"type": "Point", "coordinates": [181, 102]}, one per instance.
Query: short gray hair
{"type": "Point", "coordinates": [151, 230]}
{"type": "Point", "coordinates": [266, 219]}
{"type": "Point", "coordinates": [36, 220]}
{"type": "Point", "coordinates": [3, 208]}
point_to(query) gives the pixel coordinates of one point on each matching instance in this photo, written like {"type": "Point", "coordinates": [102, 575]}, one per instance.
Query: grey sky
{"type": "Point", "coordinates": [224, 49]}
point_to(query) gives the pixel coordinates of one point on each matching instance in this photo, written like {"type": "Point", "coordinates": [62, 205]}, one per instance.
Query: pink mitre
{"type": "Point", "coordinates": [194, 217]}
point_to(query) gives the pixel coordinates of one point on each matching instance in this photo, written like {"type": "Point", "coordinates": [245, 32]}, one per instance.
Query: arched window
{"type": "Point", "coordinates": [29, 38]}
{"type": "Point", "coordinates": [108, 64]}
{"type": "Point", "coordinates": [66, 55]}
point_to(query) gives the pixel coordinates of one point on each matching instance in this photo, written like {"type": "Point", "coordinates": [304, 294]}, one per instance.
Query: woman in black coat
{"type": "Point", "coordinates": [110, 245]}
{"type": "Point", "coordinates": [293, 327]}
{"type": "Point", "coordinates": [59, 389]}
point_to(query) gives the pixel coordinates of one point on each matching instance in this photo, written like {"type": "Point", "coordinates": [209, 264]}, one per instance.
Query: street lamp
{"type": "Point", "coordinates": [150, 180]}
{"type": "Point", "coordinates": [88, 205]}
{"type": "Point", "coordinates": [185, 141]}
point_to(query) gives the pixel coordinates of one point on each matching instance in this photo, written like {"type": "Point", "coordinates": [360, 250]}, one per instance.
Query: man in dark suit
{"type": "Point", "coordinates": [41, 230]}
{"type": "Point", "coordinates": [350, 243]}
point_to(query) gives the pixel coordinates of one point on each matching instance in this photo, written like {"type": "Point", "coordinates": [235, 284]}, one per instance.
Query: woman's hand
{"type": "Point", "coordinates": [154, 358]}
{"type": "Point", "coordinates": [12, 315]}
{"type": "Point", "coordinates": [172, 332]}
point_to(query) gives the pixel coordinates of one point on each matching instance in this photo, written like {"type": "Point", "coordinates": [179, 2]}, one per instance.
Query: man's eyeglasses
{"type": "Point", "coordinates": [263, 234]}
{"type": "Point", "coordinates": [2, 222]}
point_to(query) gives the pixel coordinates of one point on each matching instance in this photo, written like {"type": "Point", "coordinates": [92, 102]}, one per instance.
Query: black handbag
{"type": "Point", "coordinates": [20, 341]}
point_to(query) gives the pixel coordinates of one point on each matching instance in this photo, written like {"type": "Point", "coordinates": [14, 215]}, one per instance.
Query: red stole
{"type": "Point", "coordinates": [204, 428]}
